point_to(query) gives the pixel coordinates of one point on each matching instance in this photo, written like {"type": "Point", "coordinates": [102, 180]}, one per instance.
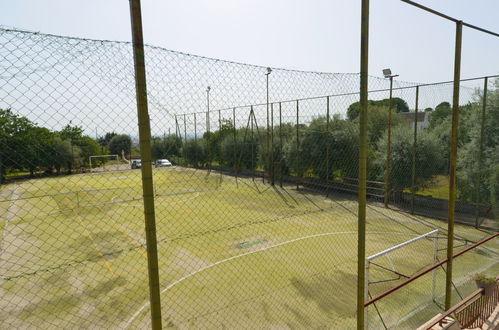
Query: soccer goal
{"type": "Point", "coordinates": [387, 268]}
{"type": "Point", "coordinates": [100, 162]}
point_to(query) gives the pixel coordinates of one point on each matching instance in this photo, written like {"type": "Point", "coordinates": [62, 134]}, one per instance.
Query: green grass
{"type": "Point", "coordinates": [231, 254]}
{"type": "Point", "coordinates": [438, 187]}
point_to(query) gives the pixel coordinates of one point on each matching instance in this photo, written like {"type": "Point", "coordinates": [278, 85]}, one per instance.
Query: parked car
{"type": "Point", "coordinates": [136, 163]}
{"type": "Point", "coordinates": [163, 163]}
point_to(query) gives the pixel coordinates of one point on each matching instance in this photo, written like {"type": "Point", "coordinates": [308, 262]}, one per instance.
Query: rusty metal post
{"type": "Point", "coordinates": [361, 223]}
{"type": "Point", "coordinates": [145, 154]}
{"type": "Point", "coordinates": [414, 146]}
{"type": "Point", "coordinates": [453, 162]}
{"type": "Point", "coordinates": [480, 153]}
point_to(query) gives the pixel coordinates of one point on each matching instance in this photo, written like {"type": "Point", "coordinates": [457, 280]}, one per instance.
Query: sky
{"type": "Point", "coordinates": [310, 35]}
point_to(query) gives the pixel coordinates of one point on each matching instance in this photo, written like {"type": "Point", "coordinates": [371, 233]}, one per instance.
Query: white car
{"type": "Point", "coordinates": [163, 163]}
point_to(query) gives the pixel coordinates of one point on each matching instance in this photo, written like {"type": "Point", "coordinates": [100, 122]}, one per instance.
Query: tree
{"type": "Point", "coordinates": [167, 147]}
{"type": "Point", "coordinates": [64, 155]}
{"type": "Point", "coordinates": [441, 112]}
{"type": "Point", "coordinates": [13, 132]}
{"type": "Point", "coordinates": [35, 150]}
{"type": "Point", "coordinates": [429, 157]}
{"type": "Point", "coordinates": [87, 145]}
{"type": "Point", "coordinates": [243, 153]}
{"type": "Point", "coordinates": [120, 143]}
{"type": "Point", "coordinates": [398, 104]}
{"type": "Point", "coordinates": [195, 153]}
{"type": "Point", "coordinates": [215, 139]}
{"type": "Point", "coordinates": [468, 166]}
{"type": "Point", "coordinates": [331, 151]}
{"type": "Point", "coordinates": [71, 133]}
{"type": "Point", "coordinates": [104, 141]}
{"type": "Point", "coordinates": [377, 122]}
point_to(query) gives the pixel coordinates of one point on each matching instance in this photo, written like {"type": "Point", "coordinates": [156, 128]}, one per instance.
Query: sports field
{"type": "Point", "coordinates": [232, 253]}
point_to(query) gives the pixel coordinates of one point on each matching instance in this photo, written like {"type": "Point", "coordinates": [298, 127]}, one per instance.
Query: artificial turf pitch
{"type": "Point", "coordinates": [233, 253]}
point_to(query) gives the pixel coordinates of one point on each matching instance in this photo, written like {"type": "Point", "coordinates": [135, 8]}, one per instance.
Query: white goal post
{"type": "Point", "coordinates": [112, 157]}
{"type": "Point", "coordinates": [392, 267]}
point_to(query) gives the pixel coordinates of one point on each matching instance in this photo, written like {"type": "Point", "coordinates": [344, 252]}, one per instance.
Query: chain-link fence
{"type": "Point", "coordinates": [255, 184]}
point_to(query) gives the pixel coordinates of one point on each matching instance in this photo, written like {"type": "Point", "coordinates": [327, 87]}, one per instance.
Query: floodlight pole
{"type": "Point", "coordinates": [389, 145]}
{"type": "Point", "coordinates": [146, 168]}
{"type": "Point", "coordinates": [453, 161]}
{"type": "Point", "coordinates": [361, 224]}
{"type": "Point", "coordinates": [480, 152]}
{"type": "Point", "coordinates": [414, 152]}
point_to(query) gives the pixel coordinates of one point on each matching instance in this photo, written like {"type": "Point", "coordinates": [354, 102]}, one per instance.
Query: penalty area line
{"type": "Point", "coordinates": [141, 309]}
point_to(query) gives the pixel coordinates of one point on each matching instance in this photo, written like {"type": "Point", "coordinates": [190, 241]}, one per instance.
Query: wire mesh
{"type": "Point", "coordinates": [255, 202]}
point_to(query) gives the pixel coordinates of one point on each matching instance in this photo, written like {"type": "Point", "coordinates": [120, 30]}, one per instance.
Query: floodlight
{"type": "Point", "coordinates": [387, 73]}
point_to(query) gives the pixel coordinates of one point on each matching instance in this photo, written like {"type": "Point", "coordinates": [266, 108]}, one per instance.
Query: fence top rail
{"type": "Point", "coordinates": [455, 20]}
{"type": "Point", "coordinates": [379, 254]}
{"type": "Point", "coordinates": [416, 85]}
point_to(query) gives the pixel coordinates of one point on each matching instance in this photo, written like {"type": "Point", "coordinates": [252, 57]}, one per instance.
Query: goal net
{"type": "Point", "coordinates": [388, 268]}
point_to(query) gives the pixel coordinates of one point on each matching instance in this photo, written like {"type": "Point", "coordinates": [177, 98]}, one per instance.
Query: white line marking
{"type": "Point", "coordinates": [123, 202]}
{"type": "Point", "coordinates": [137, 313]}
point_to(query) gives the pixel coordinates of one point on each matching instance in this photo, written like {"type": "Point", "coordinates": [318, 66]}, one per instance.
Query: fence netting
{"type": "Point", "coordinates": [255, 186]}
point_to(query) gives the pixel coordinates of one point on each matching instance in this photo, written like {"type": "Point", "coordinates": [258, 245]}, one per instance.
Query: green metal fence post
{"type": "Point", "coordinates": [195, 141]}
{"type": "Point", "coordinates": [272, 172]}
{"type": "Point", "coordinates": [219, 132]}
{"type": "Point", "coordinates": [208, 139]}
{"type": "Point", "coordinates": [453, 162]}
{"type": "Point", "coordinates": [361, 225]}
{"type": "Point", "coordinates": [297, 142]}
{"type": "Point", "coordinates": [280, 146]}
{"type": "Point", "coordinates": [185, 128]}
{"type": "Point", "coordinates": [414, 146]}
{"type": "Point", "coordinates": [388, 148]}
{"type": "Point", "coordinates": [480, 153]}
{"type": "Point", "coordinates": [177, 134]}
{"type": "Point", "coordinates": [235, 142]}
{"type": "Point", "coordinates": [252, 146]}
{"type": "Point", "coordinates": [145, 153]}
{"type": "Point", "coordinates": [327, 145]}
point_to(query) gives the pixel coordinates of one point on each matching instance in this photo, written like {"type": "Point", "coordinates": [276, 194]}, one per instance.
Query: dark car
{"type": "Point", "coordinates": [136, 163]}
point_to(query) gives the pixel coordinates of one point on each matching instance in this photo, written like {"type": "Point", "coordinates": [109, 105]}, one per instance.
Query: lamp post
{"type": "Point", "coordinates": [269, 152]}
{"type": "Point", "coordinates": [388, 74]}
